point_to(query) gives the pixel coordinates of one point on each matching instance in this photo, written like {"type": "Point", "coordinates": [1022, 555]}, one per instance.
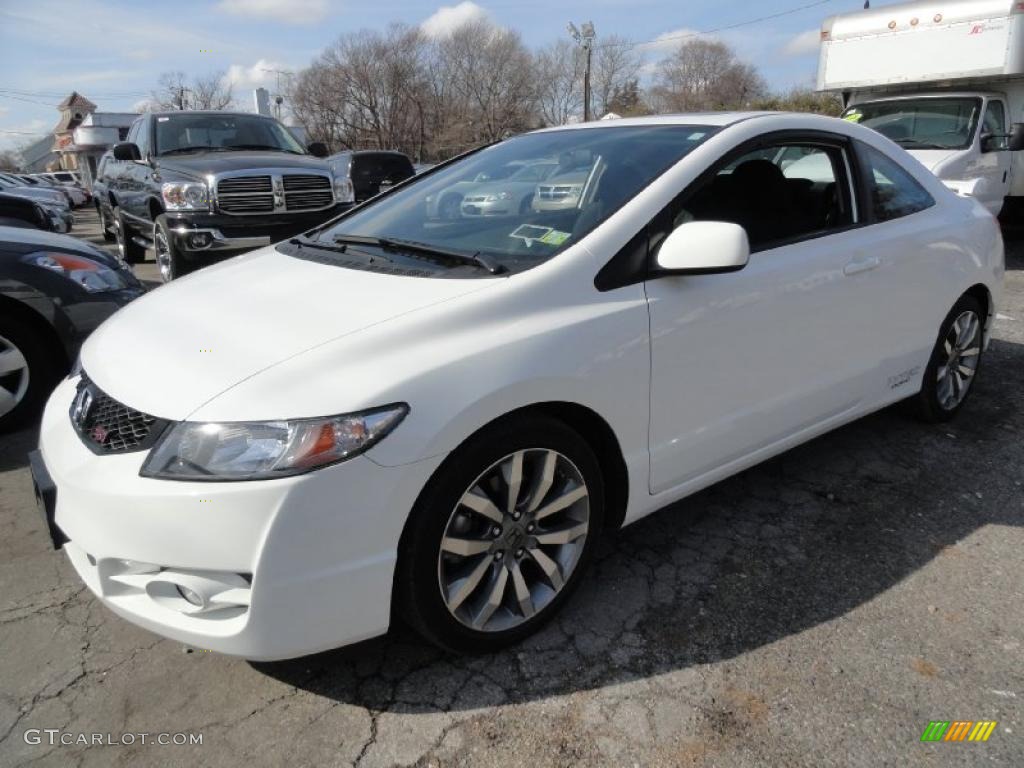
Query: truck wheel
{"type": "Point", "coordinates": [170, 261]}
{"type": "Point", "coordinates": [107, 229]}
{"type": "Point", "coordinates": [130, 251]}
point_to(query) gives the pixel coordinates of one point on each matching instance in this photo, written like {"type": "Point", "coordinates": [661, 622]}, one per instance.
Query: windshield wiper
{"type": "Point", "coordinates": [412, 246]}
{"type": "Point", "coordinates": [268, 147]}
{"type": "Point", "coordinates": [179, 150]}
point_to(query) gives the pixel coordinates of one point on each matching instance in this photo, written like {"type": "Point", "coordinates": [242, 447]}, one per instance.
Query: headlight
{"type": "Point", "coordinates": [93, 276]}
{"type": "Point", "coordinates": [263, 450]}
{"type": "Point", "coordinates": [186, 196]}
{"type": "Point", "coordinates": [497, 197]}
{"type": "Point", "coordinates": [343, 191]}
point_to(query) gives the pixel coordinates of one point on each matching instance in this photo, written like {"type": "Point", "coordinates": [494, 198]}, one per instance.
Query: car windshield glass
{"type": "Point", "coordinates": [195, 132]}
{"type": "Point", "coordinates": [932, 123]}
{"type": "Point", "coordinates": [564, 184]}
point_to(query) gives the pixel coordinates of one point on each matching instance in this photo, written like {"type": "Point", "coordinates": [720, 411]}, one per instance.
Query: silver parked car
{"type": "Point", "coordinates": [511, 196]}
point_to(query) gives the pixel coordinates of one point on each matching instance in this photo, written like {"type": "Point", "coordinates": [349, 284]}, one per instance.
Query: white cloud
{"type": "Point", "coordinates": [804, 43]}
{"type": "Point", "coordinates": [242, 77]}
{"type": "Point", "coordinates": [288, 11]}
{"type": "Point", "coordinates": [669, 41]}
{"type": "Point", "coordinates": [448, 18]}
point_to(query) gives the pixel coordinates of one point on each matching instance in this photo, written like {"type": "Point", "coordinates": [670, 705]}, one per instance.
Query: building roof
{"type": "Point", "coordinates": [75, 99]}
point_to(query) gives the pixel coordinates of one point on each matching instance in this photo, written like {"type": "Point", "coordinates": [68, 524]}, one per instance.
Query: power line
{"type": "Point", "coordinates": [727, 27]}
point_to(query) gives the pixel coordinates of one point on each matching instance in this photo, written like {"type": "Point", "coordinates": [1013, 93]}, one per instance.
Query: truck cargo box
{"type": "Point", "coordinates": [922, 42]}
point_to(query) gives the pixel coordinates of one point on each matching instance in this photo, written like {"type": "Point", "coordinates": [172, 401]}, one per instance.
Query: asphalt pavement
{"type": "Point", "coordinates": [818, 610]}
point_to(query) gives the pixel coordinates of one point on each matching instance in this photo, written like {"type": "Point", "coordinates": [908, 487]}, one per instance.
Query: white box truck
{"type": "Point", "coordinates": [945, 80]}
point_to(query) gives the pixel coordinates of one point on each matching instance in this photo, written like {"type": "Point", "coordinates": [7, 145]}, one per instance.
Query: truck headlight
{"type": "Point", "coordinates": [267, 449]}
{"type": "Point", "coordinates": [186, 196]}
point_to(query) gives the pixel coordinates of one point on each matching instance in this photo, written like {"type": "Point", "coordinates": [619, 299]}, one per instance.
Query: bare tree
{"type": "Point", "coordinates": [705, 75]}
{"type": "Point", "coordinates": [616, 65]}
{"type": "Point", "coordinates": [175, 91]}
{"type": "Point", "coordinates": [559, 89]}
{"type": "Point", "coordinates": [10, 160]}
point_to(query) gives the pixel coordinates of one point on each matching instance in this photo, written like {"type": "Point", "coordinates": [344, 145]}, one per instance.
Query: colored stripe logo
{"type": "Point", "coordinates": [958, 730]}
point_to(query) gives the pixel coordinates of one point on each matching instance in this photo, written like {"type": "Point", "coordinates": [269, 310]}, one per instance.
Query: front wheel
{"type": "Point", "coordinates": [501, 535]}
{"type": "Point", "coordinates": [29, 370]}
{"type": "Point", "coordinates": [954, 362]}
{"type": "Point", "coordinates": [171, 263]}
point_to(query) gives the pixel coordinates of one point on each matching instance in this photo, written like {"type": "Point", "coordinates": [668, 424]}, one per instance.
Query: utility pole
{"type": "Point", "coordinates": [278, 98]}
{"type": "Point", "coordinates": [585, 39]}
{"type": "Point", "coordinates": [182, 90]}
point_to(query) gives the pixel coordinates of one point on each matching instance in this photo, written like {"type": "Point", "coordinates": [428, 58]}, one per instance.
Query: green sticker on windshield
{"type": "Point", "coordinates": [854, 117]}
{"type": "Point", "coordinates": [554, 237]}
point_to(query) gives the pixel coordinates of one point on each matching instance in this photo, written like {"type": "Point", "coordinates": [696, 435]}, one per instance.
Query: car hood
{"type": "Point", "coordinates": [181, 345]}
{"type": "Point", "coordinates": [933, 159]}
{"type": "Point", "coordinates": [200, 164]}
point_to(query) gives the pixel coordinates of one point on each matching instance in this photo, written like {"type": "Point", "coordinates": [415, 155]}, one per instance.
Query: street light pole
{"type": "Point", "coordinates": [585, 39]}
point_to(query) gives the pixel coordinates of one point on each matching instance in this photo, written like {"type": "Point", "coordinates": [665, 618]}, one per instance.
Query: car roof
{"type": "Point", "coordinates": [714, 119]}
{"type": "Point", "coordinates": [46, 239]}
{"type": "Point", "coordinates": [222, 112]}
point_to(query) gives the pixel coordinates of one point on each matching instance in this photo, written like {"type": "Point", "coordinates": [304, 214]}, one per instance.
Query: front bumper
{"type": "Point", "coordinates": [285, 567]}
{"type": "Point", "coordinates": [213, 236]}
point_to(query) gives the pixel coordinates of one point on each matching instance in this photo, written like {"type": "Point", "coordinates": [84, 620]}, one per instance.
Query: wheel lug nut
{"type": "Point", "coordinates": [516, 515]}
{"type": "Point", "coordinates": [498, 555]}
{"type": "Point", "coordinates": [496, 530]}
{"type": "Point", "coordinates": [520, 552]}
{"type": "Point", "coordinates": [530, 527]}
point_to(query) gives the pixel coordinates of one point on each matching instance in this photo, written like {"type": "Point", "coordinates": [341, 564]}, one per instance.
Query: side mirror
{"type": "Point", "coordinates": [126, 150]}
{"type": "Point", "coordinates": [318, 149]}
{"type": "Point", "coordinates": [704, 248]}
{"type": "Point", "coordinates": [1016, 143]}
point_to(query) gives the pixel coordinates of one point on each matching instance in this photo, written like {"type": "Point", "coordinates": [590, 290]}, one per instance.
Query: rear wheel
{"type": "Point", "coordinates": [130, 251]}
{"type": "Point", "coordinates": [106, 226]}
{"type": "Point", "coordinates": [29, 370]}
{"type": "Point", "coordinates": [501, 536]}
{"type": "Point", "coordinates": [954, 362]}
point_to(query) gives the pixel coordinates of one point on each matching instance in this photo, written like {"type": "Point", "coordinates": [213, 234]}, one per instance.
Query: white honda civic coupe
{"type": "Point", "coordinates": [434, 420]}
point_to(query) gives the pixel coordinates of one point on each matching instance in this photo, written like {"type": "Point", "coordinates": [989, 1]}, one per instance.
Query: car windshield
{"type": "Point", "coordinates": [563, 185]}
{"type": "Point", "coordinates": [929, 123]}
{"type": "Point", "coordinates": [197, 132]}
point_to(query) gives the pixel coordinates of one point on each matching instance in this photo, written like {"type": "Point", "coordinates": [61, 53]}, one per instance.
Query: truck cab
{"type": "Point", "coordinates": [944, 80]}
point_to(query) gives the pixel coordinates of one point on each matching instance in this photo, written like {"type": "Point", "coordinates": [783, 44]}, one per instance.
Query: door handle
{"type": "Point", "coordinates": [861, 265]}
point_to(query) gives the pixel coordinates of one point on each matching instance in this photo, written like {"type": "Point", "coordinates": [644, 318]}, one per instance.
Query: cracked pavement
{"type": "Point", "coordinates": [817, 610]}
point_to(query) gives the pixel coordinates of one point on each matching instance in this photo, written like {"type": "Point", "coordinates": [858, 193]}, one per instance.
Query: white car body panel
{"type": "Point", "coordinates": [744, 366]}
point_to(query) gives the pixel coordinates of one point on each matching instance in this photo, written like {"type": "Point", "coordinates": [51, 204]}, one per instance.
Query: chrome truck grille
{"type": "Point", "coordinates": [249, 195]}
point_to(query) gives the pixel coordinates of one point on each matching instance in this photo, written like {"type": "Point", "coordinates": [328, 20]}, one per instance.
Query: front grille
{"type": "Point", "coordinates": [250, 195]}
{"type": "Point", "coordinates": [107, 426]}
{"type": "Point", "coordinates": [304, 192]}
{"type": "Point", "coordinates": [552, 192]}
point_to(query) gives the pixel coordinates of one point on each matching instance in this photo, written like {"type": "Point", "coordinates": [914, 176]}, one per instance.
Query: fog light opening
{"type": "Point", "coordinates": [190, 596]}
{"type": "Point", "coordinates": [200, 240]}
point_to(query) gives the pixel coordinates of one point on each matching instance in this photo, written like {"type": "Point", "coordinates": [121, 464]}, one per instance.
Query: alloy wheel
{"type": "Point", "coordinates": [962, 348]}
{"type": "Point", "coordinates": [513, 540]}
{"type": "Point", "coordinates": [162, 249]}
{"type": "Point", "coordinates": [14, 376]}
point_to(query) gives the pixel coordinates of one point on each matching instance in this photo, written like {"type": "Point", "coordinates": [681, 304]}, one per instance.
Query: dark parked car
{"type": "Point", "coordinates": [365, 173]}
{"type": "Point", "coordinates": [17, 211]}
{"type": "Point", "coordinates": [198, 187]}
{"type": "Point", "coordinates": [54, 290]}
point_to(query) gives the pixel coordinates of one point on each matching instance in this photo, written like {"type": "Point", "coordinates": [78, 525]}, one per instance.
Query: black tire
{"type": "Point", "coordinates": [45, 366]}
{"type": "Point", "coordinates": [106, 228]}
{"type": "Point", "coordinates": [927, 404]}
{"type": "Point", "coordinates": [418, 597]}
{"type": "Point", "coordinates": [169, 259]}
{"type": "Point", "coordinates": [130, 251]}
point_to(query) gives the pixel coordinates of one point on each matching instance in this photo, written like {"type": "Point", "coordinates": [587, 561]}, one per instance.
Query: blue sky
{"type": "Point", "coordinates": [112, 51]}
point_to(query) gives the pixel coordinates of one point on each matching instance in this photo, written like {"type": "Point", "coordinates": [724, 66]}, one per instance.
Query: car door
{"type": "Point", "coordinates": [991, 165]}
{"type": "Point", "coordinates": [139, 174]}
{"type": "Point", "coordinates": [741, 362]}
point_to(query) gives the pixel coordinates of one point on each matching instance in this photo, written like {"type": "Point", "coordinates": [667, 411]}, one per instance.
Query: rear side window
{"type": "Point", "coordinates": [377, 168]}
{"type": "Point", "coordinates": [892, 191]}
